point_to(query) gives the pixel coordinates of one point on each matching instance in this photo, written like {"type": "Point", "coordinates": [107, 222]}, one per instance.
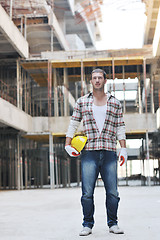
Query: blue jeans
{"type": "Point", "coordinates": [93, 163]}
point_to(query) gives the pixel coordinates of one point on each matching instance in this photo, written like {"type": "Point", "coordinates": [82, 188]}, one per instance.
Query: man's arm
{"type": "Point", "coordinates": [123, 152]}
{"type": "Point", "coordinates": [122, 143]}
{"type": "Point", "coordinates": [73, 126]}
{"type": "Point", "coordinates": [68, 141]}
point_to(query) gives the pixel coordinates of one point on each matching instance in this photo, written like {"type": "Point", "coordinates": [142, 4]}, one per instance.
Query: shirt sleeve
{"type": "Point", "coordinates": [120, 121]}
{"type": "Point", "coordinates": [73, 126]}
{"type": "Point", "coordinates": [121, 133]}
{"type": "Point", "coordinates": [120, 124]}
{"type": "Point", "coordinates": [77, 115]}
{"type": "Point", "coordinates": [75, 120]}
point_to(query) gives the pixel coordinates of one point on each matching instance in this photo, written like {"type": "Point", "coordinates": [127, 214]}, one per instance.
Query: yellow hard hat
{"type": "Point", "coordinates": [79, 142]}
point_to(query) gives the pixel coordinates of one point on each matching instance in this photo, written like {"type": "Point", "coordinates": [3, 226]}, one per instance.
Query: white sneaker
{"type": "Point", "coordinates": [85, 231]}
{"type": "Point", "coordinates": [115, 229]}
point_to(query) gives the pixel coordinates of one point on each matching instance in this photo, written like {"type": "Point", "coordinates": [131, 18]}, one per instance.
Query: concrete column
{"type": "Point", "coordinates": [56, 170]}
{"type": "Point", "coordinates": [152, 96]}
{"type": "Point", "coordinates": [124, 101]}
{"type": "Point", "coordinates": [22, 25]}
{"type": "Point", "coordinates": [147, 158]}
{"type": "Point", "coordinates": [52, 40]}
{"type": "Point", "coordinates": [26, 169]}
{"type": "Point", "coordinates": [18, 77]}
{"type": "Point", "coordinates": [21, 168]}
{"type": "Point", "coordinates": [18, 164]}
{"type": "Point", "coordinates": [56, 112]}
{"type": "Point", "coordinates": [139, 95]}
{"type": "Point", "coordinates": [49, 87]}
{"type": "Point", "coordinates": [25, 27]}
{"type": "Point", "coordinates": [66, 95]}
{"type": "Point", "coordinates": [82, 90]}
{"type": "Point", "coordinates": [113, 75]}
{"type": "Point", "coordinates": [51, 161]}
{"type": "Point", "coordinates": [76, 90]}
{"type": "Point", "coordinates": [145, 84]}
{"type": "Point", "coordinates": [19, 86]}
{"type": "Point", "coordinates": [11, 5]}
{"type": "Point", "coordinates": [139, 91]}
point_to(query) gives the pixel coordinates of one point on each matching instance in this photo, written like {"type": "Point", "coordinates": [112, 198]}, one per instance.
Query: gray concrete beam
{"type": "Point", "coordinates": [135, 123]}
{"type": "Point", "coordinates": [53, 22]}
{"type": "Point", "coordinates": [14, 117]}
{"type": "Point", "coordinates": [13, 35]}
{"type": "Point", "coordinates": [156, 40]}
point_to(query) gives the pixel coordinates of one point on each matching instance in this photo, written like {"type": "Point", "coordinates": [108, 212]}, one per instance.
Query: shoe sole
{"type": "Point", "coordinates": [83, 235]}
{"type": "Point", "coordinates": [116, 232]}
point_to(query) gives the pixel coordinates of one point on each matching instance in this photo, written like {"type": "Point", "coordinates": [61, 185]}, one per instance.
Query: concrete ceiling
{"type": "Point", "coordinates": [6, 49]}
{"type": "Point", "coordinates": [12, 42]}
{"type": "Point", "coordinates": [152, 9]}
{"type": "Point", "coordinates": [39, 38]}
{"type": "Point", "coordinates": [152, 36]}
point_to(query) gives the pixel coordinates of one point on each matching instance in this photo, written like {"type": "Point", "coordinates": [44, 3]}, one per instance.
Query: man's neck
{"type": "Point", "coordinates": [99, 98]}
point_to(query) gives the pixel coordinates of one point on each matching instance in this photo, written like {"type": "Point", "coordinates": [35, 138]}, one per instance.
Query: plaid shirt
{"type": "Point", "coordinates": [105, 140]}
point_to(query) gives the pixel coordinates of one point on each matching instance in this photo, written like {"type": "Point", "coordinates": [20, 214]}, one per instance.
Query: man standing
{"type": "Point", "coordinates": [103, 124]}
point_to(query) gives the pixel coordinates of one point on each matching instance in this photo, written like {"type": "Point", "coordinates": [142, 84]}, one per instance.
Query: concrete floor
{"type": "Point", "coordinates": [56, 214]}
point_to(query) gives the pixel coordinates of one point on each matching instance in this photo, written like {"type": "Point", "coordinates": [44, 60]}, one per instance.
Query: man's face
{"type": "Point", "coordinates": [98, 81]}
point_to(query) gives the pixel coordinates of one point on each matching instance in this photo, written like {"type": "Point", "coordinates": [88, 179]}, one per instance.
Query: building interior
{"type": "Point", "coordinates": [47, 53]}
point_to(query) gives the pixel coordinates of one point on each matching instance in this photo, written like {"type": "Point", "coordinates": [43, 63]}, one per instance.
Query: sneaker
{"type": "Point", "coordinates": [115, 229]}
{"type": "Point", "coordinates": [85, 231]}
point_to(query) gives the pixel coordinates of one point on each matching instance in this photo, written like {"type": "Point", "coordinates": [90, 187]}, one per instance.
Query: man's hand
{"type": "Point", "coordinates": [71, 151]}
{"type": "Point", "coordinates": [123, 156]}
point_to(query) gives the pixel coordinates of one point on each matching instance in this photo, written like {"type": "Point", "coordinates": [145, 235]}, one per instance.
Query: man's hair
{"type": "Point", "coordinates": [99, 70]}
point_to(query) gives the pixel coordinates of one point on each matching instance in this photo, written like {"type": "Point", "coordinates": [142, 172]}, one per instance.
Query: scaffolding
{"type": "Point", "coordinates": [47, 88]}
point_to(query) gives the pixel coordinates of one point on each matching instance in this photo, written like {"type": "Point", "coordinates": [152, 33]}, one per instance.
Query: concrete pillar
{"type": "Point", "coordinates": [124, 101]}
{"type": "Point", "coordinates": [139, 95]}
{"type": "Point", "coordinates": [145, 84]}
{"type": "Point", "coordinates": [56, 110]}
{"type": "Point", "coordinates": [56, 169]}
{"type": "Point", "coordinates": [49, 87]}
{"type": "Point", "coordinates": [22, 25]}
{"type": "Point", "coordinates": [21, 169]}
{"type": "Point", "coordinates": [76, 90]}
{"type": "Point", "coordinates": [82, 90]}
{"type": "Point", "coordinates": [18, 80]}
{"type": "Point", "coordinates": [25, 27]}
{"type": "Point", "coordinates": [113, 75]}
{"type": "Point", "coordinates": [52, 40]}
{"type": "Point", "coordinates": [19, 85]}
{"type": "Point", "coordinates": [66, 95]}
{"type": "Point", "coordinates": [11, 6]}
{"type": "Point", "coordinates": [139, 90]}
{"type": "Point", "coordinates": [26, 169]}
{"type": "Point", "coordinates": [51, 161]}
{"type": "Point", "coordinates": [19, 165]}
{"type": "Point", "coordinates": [147, 158]}
{"type": "Point", "coordinates": [152, 96]}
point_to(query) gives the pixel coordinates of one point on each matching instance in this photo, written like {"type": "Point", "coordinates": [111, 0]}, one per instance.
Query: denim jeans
{"type": "Point", "coordinates": [93, 163]}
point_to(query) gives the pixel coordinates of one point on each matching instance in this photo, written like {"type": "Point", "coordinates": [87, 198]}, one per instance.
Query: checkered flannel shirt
{"type": "Point", "coordinates": [105, 140]}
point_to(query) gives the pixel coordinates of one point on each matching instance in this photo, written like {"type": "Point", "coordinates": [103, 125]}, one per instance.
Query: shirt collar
{"type": "Point", "coordinates": [109, 95]}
